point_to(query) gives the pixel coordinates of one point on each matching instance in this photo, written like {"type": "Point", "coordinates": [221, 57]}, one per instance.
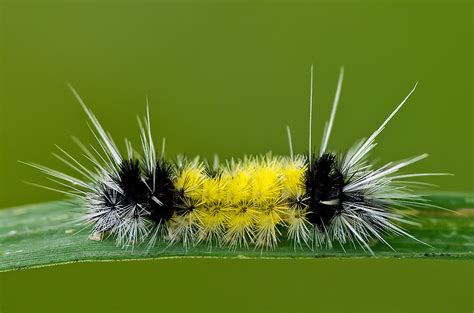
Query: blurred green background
{"type": "Point", "coordinates": [226, 77]}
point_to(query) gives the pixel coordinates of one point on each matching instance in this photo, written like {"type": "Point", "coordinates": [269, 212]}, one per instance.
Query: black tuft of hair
{"type": "Point", "coordinates": [162, 198]}
{"type": "Point", "coordinates": [324, 190]}
{"type": "Point", "coordinates": [135, 191]}
{"type": "Point", "coordinates": [153, 191]}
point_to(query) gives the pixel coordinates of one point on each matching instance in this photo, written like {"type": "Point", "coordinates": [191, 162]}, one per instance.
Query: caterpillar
{"type": "Point", "coordinates": [315, 199]}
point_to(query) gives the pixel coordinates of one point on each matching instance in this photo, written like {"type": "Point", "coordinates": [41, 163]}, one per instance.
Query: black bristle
{"type": "Point", "coordinates": [163, 209]}
{"type": "Point", "coordinates": [324, 183]}
{"type": "Point", "coordinates": [152, 191]}
{"type": "Point", "coordinates": [134, 189]}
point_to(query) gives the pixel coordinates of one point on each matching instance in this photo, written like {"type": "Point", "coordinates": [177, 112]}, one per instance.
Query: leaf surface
{"type": "Point", "coordinates": [46, 234]}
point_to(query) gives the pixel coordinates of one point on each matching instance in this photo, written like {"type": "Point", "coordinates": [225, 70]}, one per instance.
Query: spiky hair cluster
{"type": "Point", "coordinates": [314, 200]}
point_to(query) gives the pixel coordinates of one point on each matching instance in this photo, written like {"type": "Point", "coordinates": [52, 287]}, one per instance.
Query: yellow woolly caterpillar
{"type": "Point", "coordinates": [312, 200]}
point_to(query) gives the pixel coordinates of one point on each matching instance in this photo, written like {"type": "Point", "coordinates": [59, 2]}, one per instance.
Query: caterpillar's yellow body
{"type": "Point", "coordinates": [244, 203]}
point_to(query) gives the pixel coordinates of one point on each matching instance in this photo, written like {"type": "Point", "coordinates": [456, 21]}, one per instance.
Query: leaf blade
{"type": "Point", "coordinates": [43, 234]}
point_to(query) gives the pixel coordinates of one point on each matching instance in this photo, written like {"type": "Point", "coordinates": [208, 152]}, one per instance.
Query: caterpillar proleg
{"type": "Point", "coordinates": [314, 200]}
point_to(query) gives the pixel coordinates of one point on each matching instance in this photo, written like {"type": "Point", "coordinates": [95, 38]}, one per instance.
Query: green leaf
{"type": "Point", "coordinates": [46, 234]}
